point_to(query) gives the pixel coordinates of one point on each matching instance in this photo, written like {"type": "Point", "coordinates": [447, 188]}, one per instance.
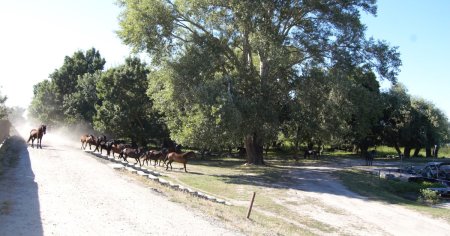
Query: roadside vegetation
{"type": "Point", "coordinates": [408, 194]}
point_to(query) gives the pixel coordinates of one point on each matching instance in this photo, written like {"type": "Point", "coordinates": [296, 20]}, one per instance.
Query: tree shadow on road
{"type": "Point", "coordinates": [19, 200]}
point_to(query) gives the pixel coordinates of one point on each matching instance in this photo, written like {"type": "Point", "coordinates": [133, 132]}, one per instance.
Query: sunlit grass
{"type": "Point", "coordinates": [395, 192]}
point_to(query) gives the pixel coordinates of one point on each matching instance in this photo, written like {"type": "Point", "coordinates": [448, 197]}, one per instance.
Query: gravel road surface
{"type": "Point", "coordinates": [60, 190]}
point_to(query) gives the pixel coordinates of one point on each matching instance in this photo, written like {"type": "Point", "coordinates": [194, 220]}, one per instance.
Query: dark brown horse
{"type": "Point", "coordinates": [135, 153]}
{"type": "Point", "coordinates": [180, 158]}
{"type": "Point", "coordinates": [156, 156]}
{"type": "Point", "coordinates": [37, 134]}
{"type": "Point", "coordinates": [118, 147]}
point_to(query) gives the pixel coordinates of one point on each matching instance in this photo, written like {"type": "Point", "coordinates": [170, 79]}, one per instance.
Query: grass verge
{"type": "Point", "coordinates": [390, 191]}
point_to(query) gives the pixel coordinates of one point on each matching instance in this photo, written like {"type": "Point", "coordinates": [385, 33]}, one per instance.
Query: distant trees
{"type": "Point", "coordinates": [62, 100]}
{"type": "Point", "coordinates": [412, 123]}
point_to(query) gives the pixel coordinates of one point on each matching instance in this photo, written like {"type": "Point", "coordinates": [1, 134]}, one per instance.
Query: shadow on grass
{"type": "Point", "coordinates": [306, 175]}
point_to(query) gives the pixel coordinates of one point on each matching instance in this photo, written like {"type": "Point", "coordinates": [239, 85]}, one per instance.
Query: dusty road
{"type": "Point", "coordinates": [329, 202]}
{"type": "Point", "coordinates": [59, 190]}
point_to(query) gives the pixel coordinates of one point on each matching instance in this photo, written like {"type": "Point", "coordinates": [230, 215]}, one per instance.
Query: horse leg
{"type": "Point", "coordinates": [184, 167]}
{"type": "Point", "coordinates": [169, 163]}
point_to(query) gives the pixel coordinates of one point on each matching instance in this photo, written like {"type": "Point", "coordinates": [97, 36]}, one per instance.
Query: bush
{"type": "Point", "coordinates": [429, 196]}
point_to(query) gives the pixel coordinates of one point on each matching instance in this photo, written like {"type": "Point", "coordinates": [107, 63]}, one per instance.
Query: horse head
{"type": "Point", "coordinates": [43, 128]}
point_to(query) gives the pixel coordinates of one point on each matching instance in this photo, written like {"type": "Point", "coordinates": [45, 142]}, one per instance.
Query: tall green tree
{"type": "Point", "coordinates": [254, 49]}
{"type": "Point", "coordinates": [412, 123]}
{"type": "Point", "coordinates": [80, 105]}
{"type": "Point", "coordinates": [430, 125]}
{"type": "Point", "coordinates": [44, 106]}
{"type": "Point", "coordinates": [62, 99]}
{"type": "Point", "coordinates": [366, 109]}
{"type": "Point", "coordinates": [319, 109]}
{"type": "Point", "coordinates": [397, 116]}
{"type": "Point", "coordinates": [125, 110]}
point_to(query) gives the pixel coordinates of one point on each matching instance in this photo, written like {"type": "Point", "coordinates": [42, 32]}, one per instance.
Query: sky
{"type": "Point", "coordinates": [36, 35]}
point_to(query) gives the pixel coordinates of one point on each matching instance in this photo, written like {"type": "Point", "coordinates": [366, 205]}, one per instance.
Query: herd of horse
{"type": "Point", "coordinates": [167, 155]}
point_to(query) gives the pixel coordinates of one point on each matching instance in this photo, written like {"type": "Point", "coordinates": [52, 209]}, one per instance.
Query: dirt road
{"type": "Point", "coordinates": [322, 197]}
{"type": "Point", "coordinates": [59, 190]}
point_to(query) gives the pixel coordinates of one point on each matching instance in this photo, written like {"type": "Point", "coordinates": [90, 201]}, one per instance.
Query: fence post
{"type": "Point", "coordinates": [251, 205]}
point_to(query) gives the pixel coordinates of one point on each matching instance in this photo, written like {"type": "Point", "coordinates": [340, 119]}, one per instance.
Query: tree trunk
{"type": "Point", "coordinates": [407, 151]}
{"type": "Point", "coordinates": [254, 148]}
{"type": "Point", "coordinates": [428, 151]}
{"type": "Point", "coordinates": [397, 148]}
{"type": "Point", "coordinates": [416, 152]}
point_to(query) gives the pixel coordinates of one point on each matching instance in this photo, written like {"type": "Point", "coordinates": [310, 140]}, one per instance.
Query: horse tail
{"type": "Point", "coordinates": [29, 138]}
{"type": "Point", "coordinates": [166, 158]}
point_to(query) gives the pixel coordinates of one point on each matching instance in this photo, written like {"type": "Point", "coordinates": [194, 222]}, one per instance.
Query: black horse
{"type": "Point", "coordinates": [37, 134]}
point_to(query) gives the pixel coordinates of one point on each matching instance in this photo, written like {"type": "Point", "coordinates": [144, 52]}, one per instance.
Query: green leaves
{"type": "Point", "coordinates": [126, 111]}
{"type": "Point", "coordinates": [70, 94]}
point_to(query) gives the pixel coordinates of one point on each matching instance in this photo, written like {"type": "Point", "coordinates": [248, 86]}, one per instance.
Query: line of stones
{"type": "Point", "coordinates": [155, 176]}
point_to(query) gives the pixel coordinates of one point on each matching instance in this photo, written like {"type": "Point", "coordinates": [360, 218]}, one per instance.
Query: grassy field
{"type": "Point", "coordinates": [274, 211]}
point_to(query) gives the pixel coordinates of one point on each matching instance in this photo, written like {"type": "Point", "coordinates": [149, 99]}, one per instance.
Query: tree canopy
{"type": "Point", "coordinates": [245, 56]}
{"type": "Point", "coordinates": [69, 95]}
{"type": "Point", "coordinates": [125, 110]}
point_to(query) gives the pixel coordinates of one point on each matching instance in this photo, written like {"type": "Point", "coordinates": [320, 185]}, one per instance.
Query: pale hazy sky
{"type": "Point", "coordinates": [36, 35]}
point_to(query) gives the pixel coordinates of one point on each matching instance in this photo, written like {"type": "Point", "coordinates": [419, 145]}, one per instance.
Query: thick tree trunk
{"type": "Point", "coordinates": [407, 151]}
{"type": "Point", "coordinates": [397, 148]}
{"type": "Point", "coordinates": [416, 152]}
{"type": "Point", "coordinates": [254, 148]}
{"type": "Point", "coordinates": [428, 151]}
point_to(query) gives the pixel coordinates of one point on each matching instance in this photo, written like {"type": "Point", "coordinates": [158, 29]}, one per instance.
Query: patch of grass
{"type": "Point", "coordinates": [391, 191]}
{"type": "Point", "coordinates": [234, 217]}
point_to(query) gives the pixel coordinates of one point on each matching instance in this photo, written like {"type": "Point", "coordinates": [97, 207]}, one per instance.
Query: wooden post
{"type": "Point", "coordinates": [251, 205]}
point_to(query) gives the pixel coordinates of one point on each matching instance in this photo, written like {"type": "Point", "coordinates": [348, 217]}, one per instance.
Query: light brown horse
{"type": "Point", "coordinates": [37, 134]}
{"type": "Point", "coordinates": [180, 158]}
{"type": "Point", "coordinates": [87, 139]}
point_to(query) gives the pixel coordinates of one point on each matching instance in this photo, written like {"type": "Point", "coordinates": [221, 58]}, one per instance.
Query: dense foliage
{"type": "Point", "coordinates": [239, 74]}
{"type": "Point", "coordinates": [232, 64]}
{"type": "Point", "coordinates": [126, 111]}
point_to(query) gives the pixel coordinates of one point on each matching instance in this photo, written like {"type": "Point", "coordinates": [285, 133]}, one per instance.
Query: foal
{"type": "Point", "coordinates": [180, 158]}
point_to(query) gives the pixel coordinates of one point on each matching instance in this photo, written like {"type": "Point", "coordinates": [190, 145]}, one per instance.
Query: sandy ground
{"type": "Point", "coordinates": [323, 198]}
{"type": "Point", "coordinates": [59, 190]}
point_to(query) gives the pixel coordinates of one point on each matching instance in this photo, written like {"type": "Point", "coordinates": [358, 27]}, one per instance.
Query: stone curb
{"type": "Point", "coordinates": [153, 175]}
